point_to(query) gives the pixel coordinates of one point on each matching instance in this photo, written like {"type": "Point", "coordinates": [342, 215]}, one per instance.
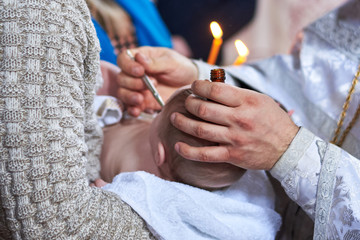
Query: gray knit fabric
{"type": "Point", "coordinates": [49, 141]}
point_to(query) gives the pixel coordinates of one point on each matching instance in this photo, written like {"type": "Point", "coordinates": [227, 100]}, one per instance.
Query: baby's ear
{"type": "Point", "coordinates": [160, 154]}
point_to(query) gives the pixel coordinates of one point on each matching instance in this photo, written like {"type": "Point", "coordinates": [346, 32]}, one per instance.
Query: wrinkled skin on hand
{"type": "Point", "coordinates": [251, 129]}
{"type": "Point", "coordinates": [167, 69]}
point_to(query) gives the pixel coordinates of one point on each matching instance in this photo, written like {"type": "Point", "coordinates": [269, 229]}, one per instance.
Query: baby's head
{"type": "Point", "coordinates": [175, 167]}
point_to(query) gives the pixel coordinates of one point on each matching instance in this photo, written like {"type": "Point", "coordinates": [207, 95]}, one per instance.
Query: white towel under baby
{"type": "Point", "coordinates": [177, 211]}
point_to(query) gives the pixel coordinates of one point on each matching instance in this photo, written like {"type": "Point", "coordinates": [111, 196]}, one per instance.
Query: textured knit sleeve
{"type": "Point", "coordinates": [49, 142]}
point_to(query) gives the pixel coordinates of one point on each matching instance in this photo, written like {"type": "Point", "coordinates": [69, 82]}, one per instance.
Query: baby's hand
{"type": "Point", "coordinates": [98, 183]}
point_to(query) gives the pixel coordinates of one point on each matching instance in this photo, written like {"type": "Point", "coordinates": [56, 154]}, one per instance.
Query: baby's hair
{"type": "Point", "coordinates": [200, 174]}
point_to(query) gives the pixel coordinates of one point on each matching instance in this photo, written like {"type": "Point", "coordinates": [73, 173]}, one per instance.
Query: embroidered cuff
{"type": "Point", "coordinates": [293, 154]}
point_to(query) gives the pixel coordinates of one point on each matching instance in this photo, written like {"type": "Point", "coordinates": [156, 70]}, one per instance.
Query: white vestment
{"type": "Point", "coordinates": [314, 81]}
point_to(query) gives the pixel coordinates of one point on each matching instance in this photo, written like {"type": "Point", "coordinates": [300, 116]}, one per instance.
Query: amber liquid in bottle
{"type": "Point", "coordinates": [217, 75]}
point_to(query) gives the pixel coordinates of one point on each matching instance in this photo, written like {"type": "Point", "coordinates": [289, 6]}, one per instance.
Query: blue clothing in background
{"type": "Point", "coordinates": [150, 28]}
{"type": "Point", "coordinates": [107, 50]}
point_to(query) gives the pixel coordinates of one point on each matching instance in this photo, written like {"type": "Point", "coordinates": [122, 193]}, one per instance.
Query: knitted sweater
{"type": "Point", "coordinates": [49, 140]}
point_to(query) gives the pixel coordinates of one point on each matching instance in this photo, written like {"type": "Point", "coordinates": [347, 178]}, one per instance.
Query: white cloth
{"type": "Point", "coordinates": [178, 211]}
{"type": "Point", "coordinates": [323, 179]}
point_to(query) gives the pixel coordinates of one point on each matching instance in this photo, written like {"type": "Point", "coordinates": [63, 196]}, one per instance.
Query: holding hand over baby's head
{"type": "Point", "coordinates": [178, 168]}
{"type": "Point", "coordinates": [251, 129]}
{"type": "Point", "coordinates": [142, 145]}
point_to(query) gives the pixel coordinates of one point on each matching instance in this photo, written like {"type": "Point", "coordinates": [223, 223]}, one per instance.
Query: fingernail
{"type": "Point", "coordinates": [134, 99]}
{"type": "Point", "coordinates": [136, 71]}
{"type": "Point", "coordinates": [172, 117]}
{"type": "Point", "coordinates": [145, 58]}
{"type": "Point", "coordinates": [177, 148]}
{"type": "Point", "coordinates": [134, 112]}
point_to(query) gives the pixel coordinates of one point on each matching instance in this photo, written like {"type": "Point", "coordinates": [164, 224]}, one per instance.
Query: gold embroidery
{"type": "Point", "coordinates": [336, 137]}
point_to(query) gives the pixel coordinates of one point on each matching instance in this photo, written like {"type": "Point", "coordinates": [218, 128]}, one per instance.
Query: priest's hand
{"type": "Point", "coordinates": [251, 129]}
{"type": "Point", "coordinates": [167, 69]}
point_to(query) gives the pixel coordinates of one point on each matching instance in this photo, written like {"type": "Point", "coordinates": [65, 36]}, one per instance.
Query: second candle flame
{"type": "Point", "coordinates": [241, 48]}
{"type": "Point", "coordinates": [243, 52]}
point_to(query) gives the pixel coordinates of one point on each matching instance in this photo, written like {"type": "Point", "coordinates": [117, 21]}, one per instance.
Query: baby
{"type": "Point", "coordinates": [172, 210]}
{"type": "Point", "coordinates": [145, 145]}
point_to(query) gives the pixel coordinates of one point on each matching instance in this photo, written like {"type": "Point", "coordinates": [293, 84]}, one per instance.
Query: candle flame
{"type": "Point", "coordinates": [241, 48]}
{"type": "Point", "coordinates": [216, 30]}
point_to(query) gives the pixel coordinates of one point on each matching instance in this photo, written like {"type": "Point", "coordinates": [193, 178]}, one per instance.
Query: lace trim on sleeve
{"type": "Point", "coordinates": [324, 196]}
{"type": "Point", "coordinates": [293, 154]}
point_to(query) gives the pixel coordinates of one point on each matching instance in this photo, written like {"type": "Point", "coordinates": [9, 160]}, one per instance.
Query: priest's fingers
{"type": "Point", "coordinates": [136, 102]}
{"type": "Point", "coordinates": [129, 82]}
{"type": "Point", "coordinates": [129, 66]}
{"type": "Point", "coordinates": [209, 111]}
{"type": "Point", "coordinates": [130, 98]}
{"type": "Point", "coordinates": [219, 92]}
{"type": "Point", "coordinates": [203, 154]}
{"type": "Point", "coordinates": [200, 129]}
{"type": "Point", "coordinates": [222, 154]}
{"type": "Point", "coordinates": [134, 111]}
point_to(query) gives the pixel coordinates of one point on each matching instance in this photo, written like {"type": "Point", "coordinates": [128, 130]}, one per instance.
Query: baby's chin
{"type": "Point", "coordinates": [213, 187]}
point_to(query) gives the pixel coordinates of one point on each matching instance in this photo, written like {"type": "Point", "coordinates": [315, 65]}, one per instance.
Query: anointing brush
{"type": "Point", "coordinates": [148, 83]}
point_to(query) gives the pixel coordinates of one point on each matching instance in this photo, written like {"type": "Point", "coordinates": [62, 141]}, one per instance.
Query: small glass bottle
{"type": "Point", "coordinates": [217, 75]}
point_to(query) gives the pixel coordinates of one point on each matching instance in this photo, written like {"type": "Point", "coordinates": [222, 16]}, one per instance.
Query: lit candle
{"type": "Point", "coordinates": [243, 52]}
{"type": "Point", "coordinates": [217, 41]}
